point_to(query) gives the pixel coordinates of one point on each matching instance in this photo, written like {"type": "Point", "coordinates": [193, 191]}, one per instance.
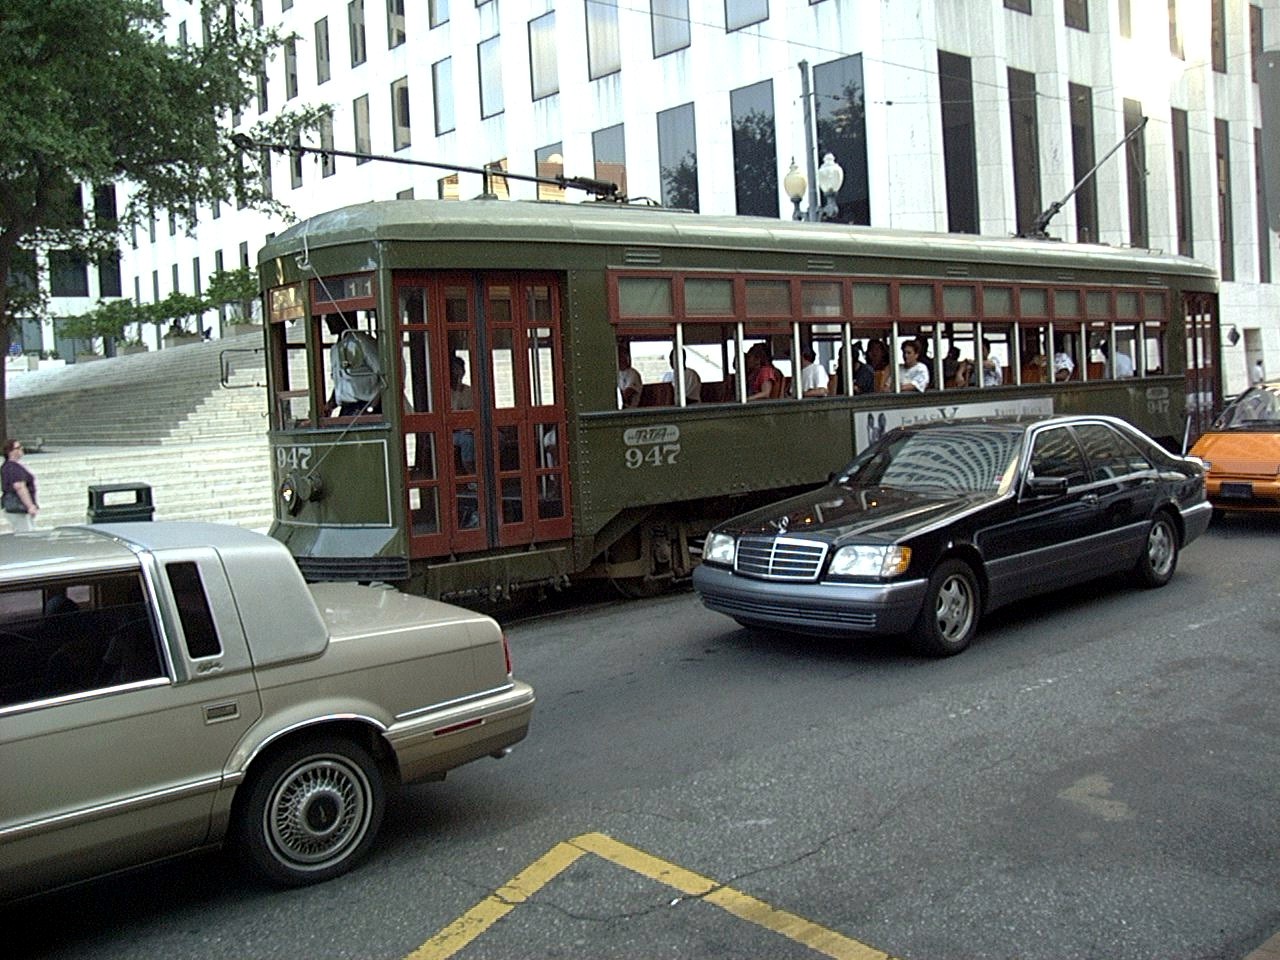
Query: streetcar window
{"type": "Point", "coordinates": [916, 300]}
{"type": "Point", "coordinates": [997, 301]}
{"type": "Point", "coordinates": [708, 297]}
{"type": "Point", "coordinates": [1153, 353]}
{"type": "Point", "coordinates": [424, 511]}
{"type": "Point", "coordinates": [350, 365]}
{"type": "Point", "coordinates": [768, 298]}
{"type": "Point", "coordinates": [821, 299]}
{"type": "Point", "coordinates": [1127, 305]}
{"type": "Point", "coordinates": [1034, 302]}
{"type": "Point", "coordinates": [645, 297]}
{"type": "Point", "coordinates": [871, 300]}
{"type": "Point", "coordinates": [415, 365]}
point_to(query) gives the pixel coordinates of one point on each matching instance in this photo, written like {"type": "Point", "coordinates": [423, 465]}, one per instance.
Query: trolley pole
{"type": "Point", "coordinates": [807, 96]}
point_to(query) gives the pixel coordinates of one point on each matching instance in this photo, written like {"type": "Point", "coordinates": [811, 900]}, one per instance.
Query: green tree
{"type": "Point", "coordinates": [238, 287]}
{"type": "Point", "coordinates": [94, 95]}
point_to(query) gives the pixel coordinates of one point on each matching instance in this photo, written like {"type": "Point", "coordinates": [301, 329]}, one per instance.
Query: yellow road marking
{"type": "Point", "coordinates": [559, 858]}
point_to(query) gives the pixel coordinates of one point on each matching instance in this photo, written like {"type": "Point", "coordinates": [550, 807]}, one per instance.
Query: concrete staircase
{"type": "Point", "coordinates": [162, 419]}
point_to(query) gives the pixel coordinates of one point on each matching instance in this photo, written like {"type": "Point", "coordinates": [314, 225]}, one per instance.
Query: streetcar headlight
{"type": "Point", "coordinates": [867, 561]}
{"type": "Point", "coordinates": [718, 548]}
{"type": "Point", "coordinates": [289, 495]}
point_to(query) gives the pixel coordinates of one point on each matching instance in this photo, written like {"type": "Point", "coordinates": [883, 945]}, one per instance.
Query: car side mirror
{"type": "Point", "coordinates": [1046, 486]}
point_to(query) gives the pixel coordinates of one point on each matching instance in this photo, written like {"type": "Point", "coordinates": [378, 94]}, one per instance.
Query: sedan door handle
{"type": "Point", "coordinates": [1090, 498]}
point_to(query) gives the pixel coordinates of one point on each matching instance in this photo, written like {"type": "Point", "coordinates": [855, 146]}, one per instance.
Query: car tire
{"type": "Point", "coordinates": [1159, 557]}
{"type": "Point", "coordinates": [948, 618]}
{"type": "Point", "coordinates": [311, 812]}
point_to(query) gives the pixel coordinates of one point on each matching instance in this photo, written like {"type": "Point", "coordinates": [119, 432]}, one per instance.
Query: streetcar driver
{"type": "Point", "coordinates": [356, 371]}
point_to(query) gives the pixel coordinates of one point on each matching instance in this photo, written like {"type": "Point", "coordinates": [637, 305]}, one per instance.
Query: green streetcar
{"type": "Point", "coordinates": [447, 412]}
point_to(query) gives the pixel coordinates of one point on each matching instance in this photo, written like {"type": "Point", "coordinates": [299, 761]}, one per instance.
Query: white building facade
{"type": "Point", "coordinates": [946, 115]}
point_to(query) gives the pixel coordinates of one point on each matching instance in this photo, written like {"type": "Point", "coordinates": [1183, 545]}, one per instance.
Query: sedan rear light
{"type": "Point", "coordinates": [506, 652]}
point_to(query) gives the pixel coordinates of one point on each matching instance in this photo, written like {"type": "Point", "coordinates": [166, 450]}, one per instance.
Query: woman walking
{"type": "Point", "coordinates": [17, 489]}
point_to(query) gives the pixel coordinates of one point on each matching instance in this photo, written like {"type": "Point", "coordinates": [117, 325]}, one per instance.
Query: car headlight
{"type": "Point", "coordinates": [866, 561]}
{"type": "Point", "coordinates": [718, 548]}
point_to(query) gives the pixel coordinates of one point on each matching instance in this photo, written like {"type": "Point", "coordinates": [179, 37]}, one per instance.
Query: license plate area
{"type": "Point", "coordinates": [1236, 491]}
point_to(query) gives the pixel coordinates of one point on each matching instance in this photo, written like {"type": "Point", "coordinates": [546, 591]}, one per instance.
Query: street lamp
{"type": "Point", "coordinates": [830, 176]}
{"type": "Point", "coordinates": [795, 184]}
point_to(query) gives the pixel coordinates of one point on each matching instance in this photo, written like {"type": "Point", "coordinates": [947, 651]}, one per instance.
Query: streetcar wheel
{"type": "Point", "coordinates": [311, 812]}
{"type": "Point", "coordinates": [948, 618]}
{"type": "Point", "coordinates": [639, 588]}
{"type": "Point", "coordinates": [1159, 556]}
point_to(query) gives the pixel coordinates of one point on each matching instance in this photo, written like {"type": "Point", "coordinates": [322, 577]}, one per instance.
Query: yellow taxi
{"type": "Point", "coordinates": [1242, 452]}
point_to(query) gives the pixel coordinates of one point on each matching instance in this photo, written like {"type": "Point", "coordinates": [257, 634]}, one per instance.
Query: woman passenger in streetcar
{"type": "Point", "coordinates": [761, 373]}
{"type": "Point", "coordinates": [913, 376]}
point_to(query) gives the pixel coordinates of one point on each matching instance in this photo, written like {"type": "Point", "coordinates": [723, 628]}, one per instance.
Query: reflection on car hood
{"type": "Point", "coordinates": [836, 512]}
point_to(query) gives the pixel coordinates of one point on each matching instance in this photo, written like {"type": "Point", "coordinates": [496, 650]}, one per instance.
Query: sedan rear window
{"type": "Point", "coordinates": [969, 461]}
{"type": "Point", "coordinates": [1258, 408]}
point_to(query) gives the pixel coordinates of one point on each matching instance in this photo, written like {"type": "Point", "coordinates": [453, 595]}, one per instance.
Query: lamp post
{"type": "Point", "coordinates": [830, 176]}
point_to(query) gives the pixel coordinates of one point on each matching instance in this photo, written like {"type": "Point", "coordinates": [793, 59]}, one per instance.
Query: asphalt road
{"type": "Point", "coordinates": [1097, 777]}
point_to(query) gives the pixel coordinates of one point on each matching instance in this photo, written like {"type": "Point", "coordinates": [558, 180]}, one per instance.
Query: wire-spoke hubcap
{"type": "Point", "coordinates": [1160, 548]}
{"type": "Point", "coordinates": [955, 608]}
{"type": "Point", "coordinates": [319, 812]}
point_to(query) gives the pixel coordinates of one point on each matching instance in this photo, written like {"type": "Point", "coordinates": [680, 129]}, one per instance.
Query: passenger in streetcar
{"type": "Point", "coordinates": [878, 360]}
{"type": "Point", "coordinates": [356, 371]}
{"type": "Point", "coordinates": [992, 370]}
{"type": "Point", "coordinates": [629, 382]}
{"type": "Point", "coordinates": [913, 375]}
{"type": "Point", "coordinates": [459, 389]}
{"type": "Point", "coordinates": [1064, 367]}
{"type": "Point", "coordinates": [692, 382]}
{"type": "Point", "coordinates": [813, 379]}
{"type": "Point", "coordinates": [1123, 364]}
{"type": "Point", "coordinates": [763, 378]}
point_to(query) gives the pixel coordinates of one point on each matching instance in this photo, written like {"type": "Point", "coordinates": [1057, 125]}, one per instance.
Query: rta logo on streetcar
{"type": "Point", "coordinates": [661, 441]}
{"type": "Point", "coordinates": [641, 436]}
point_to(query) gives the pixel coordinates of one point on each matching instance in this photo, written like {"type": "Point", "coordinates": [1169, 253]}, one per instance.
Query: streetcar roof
{"type": "Point", "coordinates": [616, 224]}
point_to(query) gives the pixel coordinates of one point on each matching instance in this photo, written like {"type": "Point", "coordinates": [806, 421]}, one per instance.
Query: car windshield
{"type": "Point", "coordinates": [955, 459]}
{"type": "Point", "coordinates": [1258, 408]}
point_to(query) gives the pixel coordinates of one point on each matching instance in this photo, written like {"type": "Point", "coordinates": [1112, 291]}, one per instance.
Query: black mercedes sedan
{"type": "Point", "coordinates": [936, 523]}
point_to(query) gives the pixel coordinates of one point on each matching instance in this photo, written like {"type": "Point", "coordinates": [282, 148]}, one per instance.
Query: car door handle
{"type": "Point", "coordinates": [1090, 498]}
{"type": "Point", "coordinates": [218, 712]}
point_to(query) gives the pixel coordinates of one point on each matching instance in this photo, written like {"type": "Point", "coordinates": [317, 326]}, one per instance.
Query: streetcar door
{"type": "Point", "coordinates": [482, 412]}
{"type": "Point", "coordinates": [1203, 384]}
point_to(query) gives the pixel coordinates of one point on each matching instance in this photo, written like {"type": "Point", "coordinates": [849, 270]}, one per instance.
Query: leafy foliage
{"type": "Point", "coordinates": [93, 95]}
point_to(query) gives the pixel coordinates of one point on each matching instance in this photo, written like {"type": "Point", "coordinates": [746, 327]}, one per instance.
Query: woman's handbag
{"type": "Point", "coordinates": [12, 503]}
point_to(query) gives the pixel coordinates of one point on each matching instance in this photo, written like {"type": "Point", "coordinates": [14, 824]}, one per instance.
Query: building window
{"type": "Point", "coordinates": [1075, 14]}
{"type": "Point", "coordinates": [182, 35]}
{"type": "Point", "coordinates": [1082, 161]}
{"type": "Point", "coordinates": [286, 4]}
{"type": "Point", "coordinates": [678, 158]}
{"type": "Point", "coordinates": [264, 172]}
{"type": "Point", "coordinates": [173, 224]}
{"type": "Point", "coordinates": [839, 98]}
{"type": "Point", "coordinates": [1175, 32]}
{"type": "Point", "coordinates": [295, 165]}
{"type": "Point", "coordinates": [177, 287]}
{"type": "Point", "coordinates": [400, 134]}
{"type": "Point", "coordinates": [155, 286]}
{"type": "Point", "coordinates": [447, 187]}
{"type": "Point", "coordinates": [1136, 175]}
{"type": "Point", "coordinates": [549, 162]}
{"type": "Point", "coordinates": [215, 207]}
{"type": "Point", "coordinates": [604, 55]}
{"type": "Point", "coordinates": [437, 12]}
{"type": "Point", "coordinates": [197, 282]}
{"type": "Point", "coordinates": [959, 144]}
{"type": "Point", "coordinates": [669, 21]}
{"type": "Point", "coordinates": [68, 274]}
{"type": "Point", "coordinates": [1026, 148]}
{"type": "Point", "coordinates": [543, 69]}
{"type": "Point", "coordinates": [442, 92]}
{"type": "Point", "coordinates": [1226, 230]}
{"type": "Point", "coordinates": [322, 50]}
{"type": "Point", "coordinates": [489, 54]}
{"type": "Point", "coordinates": [1264, 232]}
{"type": "Point", "coordinates": [262, 88]}
{"type": "Point", "coordinates": [1022, 6]}
{"type": "Point", "coordinates": [1255, 40]}
{"type": "Point", "coordinates": [355, 25]}
{"type": "Point", "coordinates": [328, 163]}
{"type": "Point", "coordinates": [1182, 180]}
{"type": "Point", "coordinates": [244, 254]}
{"type": "Point", "coordinates": [405, 194]}
{"type": "Point", "coordinates": [290, 68]}
{"type": "Point", "coordinates": [609, 150]}
{"type": "Point", "coordinates": [360, 109]}
{"type": "Point", "coordinates": [755, 150]}
{"type": "Point", "coordinates": [1126, 18]}
{"type": "Point", "coordinates": [743, 13]}
{"type": "Point", "coordinates": [395, 23]}
{"type": "Point", "coordinates": [256, 8]}
{"type": "Point", "coordinates": [109, 275]}
{"type": "Point", "coordinates": [1218, 34]}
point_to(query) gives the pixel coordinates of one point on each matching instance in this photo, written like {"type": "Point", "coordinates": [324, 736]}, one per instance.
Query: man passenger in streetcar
{"type": "Point", "coordinates": [356, 370]}
{"type": "Point", "coordinates": [913, 376]}
{"type": "Point", "coordinates": [692, 382]}
{"type": "Point", "coordinates": [813, 379]}
{"type": "Point", "coordinates": [629, 382]}
{"type": "Point", "coordinates": [992, 371]}
{"type": "Point", "coordinates": [459, 389]}
{"type": "Point", "coordinates": [761, 373]}
{"type": "Point", "coordinates": [1123, 364]}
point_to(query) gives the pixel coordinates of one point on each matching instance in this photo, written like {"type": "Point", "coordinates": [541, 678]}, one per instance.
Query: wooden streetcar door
{"type": "Point", "coordinates": [482, 411]}
{"type": "Point", "coordinates": [1203, 384]}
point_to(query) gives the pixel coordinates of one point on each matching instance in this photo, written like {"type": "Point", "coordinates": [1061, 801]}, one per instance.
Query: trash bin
{"type": "Point", "coordinates": [119, 502]}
